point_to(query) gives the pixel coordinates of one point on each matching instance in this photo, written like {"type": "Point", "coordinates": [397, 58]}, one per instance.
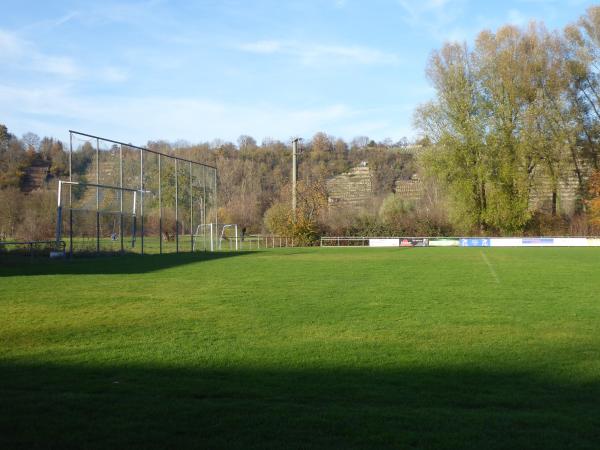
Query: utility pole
{"type": "Point", "coordinates": [294, 173]}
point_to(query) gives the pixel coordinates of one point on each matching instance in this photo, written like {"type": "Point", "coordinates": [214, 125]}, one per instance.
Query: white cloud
{"type": "Point", "coordinates": [23, 55]}
{"type": "Point", "coordinates": [313, 54]}
{"type": "Point", "coordinates": [125, 12]}
{"type": "Point", "coordinates": [516, 17]}
{"type": "Point", "coordinates": [50, 24]}
{"type": "Point", "coordinates": [445, 20]}
{"type": "Point", "coordinates": [435, 17]}
{"type": "Point", "coordinates": [113, 74]}
{"type": "Point", "coordinates": [56, 65]}
{"type": "Point", "coordinates": [262, 47]}
{"type": "Point", "coordinates": [138, 119]}
{"type": "Point", "coordinates": [10, 45]}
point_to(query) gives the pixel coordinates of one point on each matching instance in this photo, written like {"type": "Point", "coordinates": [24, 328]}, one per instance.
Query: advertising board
{"type": "Point", "coordinates": [441, 242]}
{"type": "Point", "coordinates": [543, 242]}
{"type": "Point", "coordinates": [570, 242]}
{"type": "Point", "coordinates": [384, 242]}
{"type": "Point", "coordinates": [538, 242]}
{"type": "Point", "coordinates": [475, 242]}
{"type": "Point", "coordinates": [487, 242]}
{"type": "Point", "coordinates": [413, 242]}
{"type": "Point", "coordinates": [506, 242]}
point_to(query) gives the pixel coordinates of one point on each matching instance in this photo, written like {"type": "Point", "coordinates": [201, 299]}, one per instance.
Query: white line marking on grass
{"type": "Point", "coordinates": [489, 264]}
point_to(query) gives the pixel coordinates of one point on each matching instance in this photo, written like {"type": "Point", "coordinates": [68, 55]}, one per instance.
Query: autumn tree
{"type": "Point", "coordinates": [509, 114]}
{"type": "Point", "coordinates": [582, 44]}
{"type": "Point", "coordinates": [13, 159]}
{"type": "Point", "coordinates": [453, 122]}
{"type": "Point", "coordinates": [594, 201]}
{"type": "Point", "coordinates": [305, 225]}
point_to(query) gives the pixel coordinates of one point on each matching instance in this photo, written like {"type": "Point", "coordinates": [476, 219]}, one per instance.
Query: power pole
{"type": "Point", "coordinates": [294, 173]}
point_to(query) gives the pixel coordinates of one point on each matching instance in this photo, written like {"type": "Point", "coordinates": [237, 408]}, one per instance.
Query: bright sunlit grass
{"type": "Point", "coordinates": [303, 348]}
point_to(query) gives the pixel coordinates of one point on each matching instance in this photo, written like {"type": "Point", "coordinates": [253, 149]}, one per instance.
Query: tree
{"type": "Point", "coordinates": [359, 142]}
{"type": "Point", "coordinates": [5, 138]}
{"type": "Point", "coordinates": [52, 150]}
{"type": "Point", "coordinates": [594, 201]}
{"type": "Point", "coordinates": [305, 226]}
{"type": "Point", "coordinates": [246, 143]}
{"type": "Point", "coordinates": [454, 124]}
{"type": "Point", "coordinates": [13, 159]}
{"type": "Point", "coordinates": [582, 44]}
{"type": "Point", "coordinates": [31, 141]}
{"type": "Point", "coordinates": [505, 119]}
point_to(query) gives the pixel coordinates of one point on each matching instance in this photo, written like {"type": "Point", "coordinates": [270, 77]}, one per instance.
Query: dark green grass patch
{"type": "Point", "coordinates": [303, 348]}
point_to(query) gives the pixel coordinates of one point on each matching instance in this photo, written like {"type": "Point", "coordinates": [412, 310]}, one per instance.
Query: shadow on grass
{"type": "Point", "coordinates": [54, 406]}
{"type": "Point", "coordinates": [105, 264]}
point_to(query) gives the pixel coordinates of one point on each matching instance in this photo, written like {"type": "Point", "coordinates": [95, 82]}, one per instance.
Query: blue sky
{"type": "Point", "coordinates": [201, 70]}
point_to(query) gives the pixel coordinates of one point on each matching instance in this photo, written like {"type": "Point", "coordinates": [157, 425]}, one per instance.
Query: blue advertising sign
{"type": "Point", "coordinates": [474, 242]}
{"type": "Point", "coordinates": [538, 241]}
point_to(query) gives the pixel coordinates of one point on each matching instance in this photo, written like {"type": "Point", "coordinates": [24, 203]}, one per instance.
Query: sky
{"type": "Point", "coordinates": [204, 70]}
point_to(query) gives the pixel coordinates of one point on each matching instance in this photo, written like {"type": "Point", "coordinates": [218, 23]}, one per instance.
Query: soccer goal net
{"type": "Point", "coordinates": [213, 237]}
{"type": "Point", "coordinates": [94, 217]}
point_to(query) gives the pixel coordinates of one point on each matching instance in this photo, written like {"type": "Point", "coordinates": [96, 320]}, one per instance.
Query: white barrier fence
{"type": "Point", "coordinates": [460, 242]}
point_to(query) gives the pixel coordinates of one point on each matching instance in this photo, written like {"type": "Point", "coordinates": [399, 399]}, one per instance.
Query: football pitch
{"type": "Point", "coordinates": [303, 348]}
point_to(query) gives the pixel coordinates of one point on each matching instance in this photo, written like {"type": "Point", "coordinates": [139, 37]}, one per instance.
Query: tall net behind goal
{"type": "Point", "coordinates": [118, 197]}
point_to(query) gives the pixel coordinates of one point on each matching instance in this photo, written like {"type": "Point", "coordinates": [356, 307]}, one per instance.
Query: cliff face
{"type": "Point", "coordinates": [409, 189]}
{"type": "Point", "coordinates": [565, 192]}
{"type": "Point", "coordinates": [540, 198]}
{"type": "Point", "coordinates": [353, 188]}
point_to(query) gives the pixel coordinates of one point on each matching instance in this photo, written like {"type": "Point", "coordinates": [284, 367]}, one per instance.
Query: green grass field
{"type": "Point", "coordinates": [152, 244]}
{"type": "Point", "coordinates": [303, 348]}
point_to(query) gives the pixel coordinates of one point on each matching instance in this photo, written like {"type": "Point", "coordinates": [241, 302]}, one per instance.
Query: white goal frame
{"type": "Point", "coordinates": [59, 205]}
{"type": "Point", "coordinates": [234, 226]}
{"type": "Point", "coordinates": [216, 238]}
{"type": "Point", "coordinates": [201, 233]}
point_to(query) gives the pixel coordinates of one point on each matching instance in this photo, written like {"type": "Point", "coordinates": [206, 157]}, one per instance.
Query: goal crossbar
{"type": "Point", "coordinates": [103, 186]}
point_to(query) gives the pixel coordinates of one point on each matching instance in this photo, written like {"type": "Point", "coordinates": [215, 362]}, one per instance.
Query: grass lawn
{"type": "Point", "coordinates": [152, 244]}
{"type": "Point", "coordinates": [303, 348]}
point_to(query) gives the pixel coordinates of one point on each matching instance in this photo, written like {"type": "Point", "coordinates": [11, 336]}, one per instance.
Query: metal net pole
{"type": "Point", "coordinates": [97, 196]}
{"type": "Point", "coordinates": [142, 200]}
{"type": "Point", "coordinates": [160, 218]}
{"type": "Point", "coordinates": [191, 210]}
{"type": "Point", "coordinates": [121, 197]}
{"type": "Point", "coordinates": [203, 221]}
{"type": "Point", "coordinates": [216, 206]}
{"type": "Point", "coordinates": [176, 208]}
{"type": "Point", "coordinates": [70, 195]}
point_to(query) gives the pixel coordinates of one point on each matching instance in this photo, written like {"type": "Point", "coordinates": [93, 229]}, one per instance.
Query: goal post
{"type": "Point", "coordinates": [229, 232]}
{"type": "Point", "coordinates": [204, 237]}
{"type": "Point", "coordinates": [109, 200]}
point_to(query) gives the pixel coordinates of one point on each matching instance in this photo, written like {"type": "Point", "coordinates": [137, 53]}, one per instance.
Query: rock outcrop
{"type": "Point", "coordinates": [353, 188]}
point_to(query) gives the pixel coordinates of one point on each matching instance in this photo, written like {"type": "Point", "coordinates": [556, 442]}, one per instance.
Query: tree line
{"type": "Point", "coordinates": [519, 106]}
{"type": "Point", "coordinates": [254, 183]}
